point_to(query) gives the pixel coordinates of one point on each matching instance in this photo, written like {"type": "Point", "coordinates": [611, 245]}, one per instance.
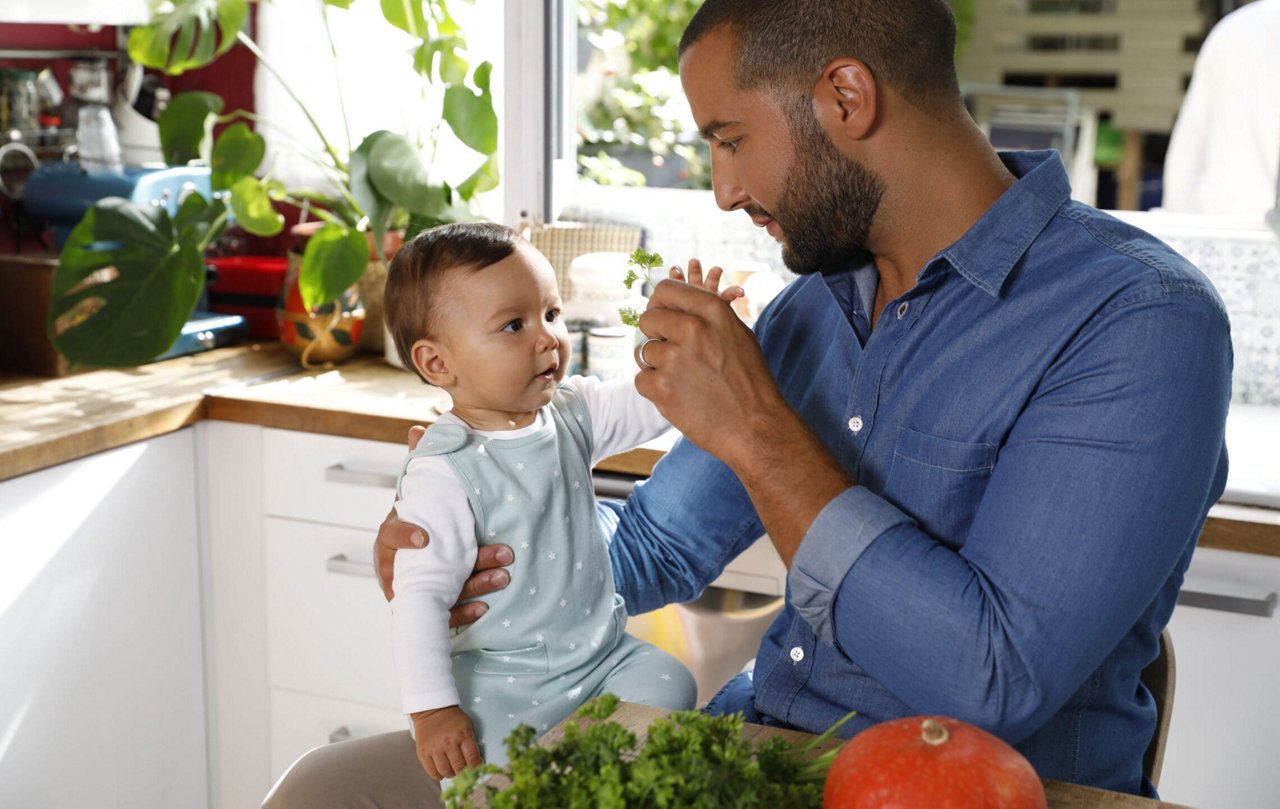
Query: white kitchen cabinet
{"type": "Point", "coordinates": [101, 654]}
{"type": "Point", "coordinates": [1226, 704]}
{"type": "Point", "coordinates": [302, 642]}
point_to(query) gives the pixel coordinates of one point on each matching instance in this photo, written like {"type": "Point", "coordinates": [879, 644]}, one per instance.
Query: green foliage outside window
{"type": "Point", "coordinates": [634, 126]}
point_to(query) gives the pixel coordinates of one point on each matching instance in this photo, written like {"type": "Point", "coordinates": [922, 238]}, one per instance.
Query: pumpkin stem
{"type": "Point", "coordinates": [933, 732]}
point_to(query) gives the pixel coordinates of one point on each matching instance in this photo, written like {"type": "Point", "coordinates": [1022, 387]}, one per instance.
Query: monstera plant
{"type": "Point", "coordinates": [129, 276]}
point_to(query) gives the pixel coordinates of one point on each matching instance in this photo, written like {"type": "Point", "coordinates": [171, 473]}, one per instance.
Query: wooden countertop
{"type": "Point", "coordinates": [1060, 795]}
{"type": "Point", "coordinates": [44, 422]}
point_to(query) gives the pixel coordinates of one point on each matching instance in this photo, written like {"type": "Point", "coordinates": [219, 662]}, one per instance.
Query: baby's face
{"type": "Point", "coordinates": [507, 345]}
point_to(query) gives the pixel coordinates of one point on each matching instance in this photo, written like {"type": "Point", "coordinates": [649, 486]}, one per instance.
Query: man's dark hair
{"type": "Point", "coordinates": [418, 270]}
{"type": "Point", "coordinates": [783, 45]}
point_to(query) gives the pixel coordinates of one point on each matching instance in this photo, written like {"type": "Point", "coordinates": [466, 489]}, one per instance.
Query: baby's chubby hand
{"type": "Point", "coordinates": [446, 741]}
{"type": "Point", "coordinates": [710, 281]}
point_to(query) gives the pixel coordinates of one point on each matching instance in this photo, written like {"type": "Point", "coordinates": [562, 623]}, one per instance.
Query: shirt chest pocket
{"type": "Point", "coordinates": [939, 482]}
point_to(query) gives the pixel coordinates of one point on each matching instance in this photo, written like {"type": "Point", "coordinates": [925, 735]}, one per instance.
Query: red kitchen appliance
{"type": "Point", "coordinates": [248, 286]}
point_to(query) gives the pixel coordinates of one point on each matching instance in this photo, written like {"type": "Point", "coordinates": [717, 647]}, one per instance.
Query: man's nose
{"type": "Point", "coordinates": [724, 182]}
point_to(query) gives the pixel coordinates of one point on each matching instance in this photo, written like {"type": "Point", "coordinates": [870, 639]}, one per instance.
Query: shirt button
{"type": "Point", "coordinates": [855, 424]}
{"type": "Point", "coordinates": [797, 654]}
{"type": "Point", "coordinates": [902, 309]}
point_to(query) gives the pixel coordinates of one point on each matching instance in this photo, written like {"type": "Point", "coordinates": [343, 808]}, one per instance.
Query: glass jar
{"type": "Point", "coordinates": [19, 101]}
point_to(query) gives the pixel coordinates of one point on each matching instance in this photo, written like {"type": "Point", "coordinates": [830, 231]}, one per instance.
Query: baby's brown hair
{"type": "Point", "coordinates": [415, 277]}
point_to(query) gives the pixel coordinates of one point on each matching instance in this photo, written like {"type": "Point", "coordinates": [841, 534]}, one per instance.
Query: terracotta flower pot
{"type": "Point", "coordinates": [333, 332]}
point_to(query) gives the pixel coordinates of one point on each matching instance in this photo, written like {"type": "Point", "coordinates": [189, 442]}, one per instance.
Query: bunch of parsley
{"type": "Point", "coordinates": [690, 759]}
{"type": "Point", "coordinates": [646, 261]}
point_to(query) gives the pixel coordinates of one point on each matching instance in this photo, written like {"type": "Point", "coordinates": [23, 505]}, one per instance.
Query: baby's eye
{"type": "Point", "coordinates": [514, 326]}
{"type": "Point", "coordinates": [553, 315]}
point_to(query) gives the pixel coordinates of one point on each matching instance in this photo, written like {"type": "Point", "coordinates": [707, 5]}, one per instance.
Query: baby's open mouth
{"type": "Point", "coordinates": [549, 373]}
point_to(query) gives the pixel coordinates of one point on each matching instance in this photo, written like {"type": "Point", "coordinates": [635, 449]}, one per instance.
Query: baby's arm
{"type": "Point", "coordinates": [427, 583]}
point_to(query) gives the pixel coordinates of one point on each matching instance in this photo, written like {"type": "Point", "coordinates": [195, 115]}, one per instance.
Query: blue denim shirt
{"type": "Point", "coordinates": [1036, 432]}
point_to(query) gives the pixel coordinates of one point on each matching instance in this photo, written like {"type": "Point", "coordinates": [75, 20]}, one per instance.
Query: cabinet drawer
{"type": "Point", "coordinates": [302, 722]}
{"type": "Point", "coordinates": [328, 479]}
{"type": "Point", "coordinates": [328, 626]}
{"type": "Point", "coordinates": [1226, 640]}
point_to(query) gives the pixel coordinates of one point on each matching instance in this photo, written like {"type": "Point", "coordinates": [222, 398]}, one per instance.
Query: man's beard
{"type": "Point", "coordinates": [828, 202]}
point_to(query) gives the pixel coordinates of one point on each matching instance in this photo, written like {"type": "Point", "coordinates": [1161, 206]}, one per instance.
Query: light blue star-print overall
{"type": "Point", "coordinates": [554, 637]}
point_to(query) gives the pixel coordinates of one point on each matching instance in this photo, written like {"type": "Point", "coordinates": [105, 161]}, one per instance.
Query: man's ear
{"type": "Point", "coordinates": [845, 100]}
{"type": "Point", "coordinates": [430, 358]}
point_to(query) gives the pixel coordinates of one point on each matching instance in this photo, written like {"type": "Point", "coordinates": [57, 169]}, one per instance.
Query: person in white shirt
{"type": "Point", "coordinates": [1224, 154]}
{"type": "Point", "coordinates": [475, 310]}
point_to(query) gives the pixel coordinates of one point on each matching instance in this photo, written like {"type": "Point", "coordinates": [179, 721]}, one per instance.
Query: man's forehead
{"type": "Point", "coordinates": [706, 72]}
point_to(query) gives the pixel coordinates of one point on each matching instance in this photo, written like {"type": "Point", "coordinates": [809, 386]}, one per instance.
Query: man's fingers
{"type": "Point", "coordinates": [465, 614]}
{"type": "Point", "coordinates": [490, 556]}
{"type": "Point", "coordinates": [415, 435]}
{"type": "Point", "coordinates": [393, 535]}
{"type": "Point", "coordinates": [384, 566]}
{"type": "Point", "coordinates": [484, 583]}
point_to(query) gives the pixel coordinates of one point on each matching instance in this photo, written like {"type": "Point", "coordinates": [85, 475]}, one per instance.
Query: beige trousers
{"type": "Point", "coordinates": [377, 772]}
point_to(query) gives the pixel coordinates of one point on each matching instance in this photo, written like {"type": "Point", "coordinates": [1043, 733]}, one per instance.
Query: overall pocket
{"type": "Point", "coordinates": [527, 660]}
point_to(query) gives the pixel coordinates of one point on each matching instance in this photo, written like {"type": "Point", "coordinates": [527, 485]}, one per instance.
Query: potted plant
{"type": "Point", "coordinates": [130, 276]}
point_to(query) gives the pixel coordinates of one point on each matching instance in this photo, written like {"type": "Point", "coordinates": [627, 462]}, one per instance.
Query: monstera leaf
{"type": "Point", "coordinates": [470, 115]}
{"type": "Point", "coordinates": [237, 153]}
{"type": "Point", "coordinates": [129, 276]}
{"type": "Point", "coordinates": [186, 127]}
{"type": "Point", "coordinates": [396, 170]}
{"type": "Point", "coordinates": [335, 259]}
{"type": "Point", "coordinates": [376, 205]}
{"type": "Point", "coordinates": [187, 34]}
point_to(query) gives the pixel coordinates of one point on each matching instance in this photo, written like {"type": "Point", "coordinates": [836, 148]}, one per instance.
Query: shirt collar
{"type": "Point", "coordinates": [986, 254]}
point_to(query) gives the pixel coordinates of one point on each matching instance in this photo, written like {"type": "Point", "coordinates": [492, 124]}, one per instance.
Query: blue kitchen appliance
{"type": "Point", "coordinates": [60, 193]}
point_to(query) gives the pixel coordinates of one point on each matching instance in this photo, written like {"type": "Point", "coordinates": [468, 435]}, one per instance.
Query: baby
{"type": "Point", "coordinates": [474, 309]}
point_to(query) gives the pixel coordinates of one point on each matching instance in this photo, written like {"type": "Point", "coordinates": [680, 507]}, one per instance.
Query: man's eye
{"type": "Point", "coordinates": [514, 326]}
{"type": "Point", "coordinates": [731, 145]}
{"type": "Point", "coordinates": [553, 315]}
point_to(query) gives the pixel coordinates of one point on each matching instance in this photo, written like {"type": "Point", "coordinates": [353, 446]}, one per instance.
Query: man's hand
{"type": "Point", "coordinates": [708, 375]}
{"type": "Point", "coordinates": [394, 535]}
{"type": "Point", "coordinates": [446, 741]}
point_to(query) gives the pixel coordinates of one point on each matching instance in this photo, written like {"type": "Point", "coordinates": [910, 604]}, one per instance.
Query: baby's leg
{"type": "Point", "coordinates": [647, 675]}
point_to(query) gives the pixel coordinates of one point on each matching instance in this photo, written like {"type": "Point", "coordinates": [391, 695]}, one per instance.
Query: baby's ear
{"type": "Point", "coordinates": [429, 357]}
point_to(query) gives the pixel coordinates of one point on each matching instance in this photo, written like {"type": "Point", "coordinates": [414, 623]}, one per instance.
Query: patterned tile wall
{"type": "Point", "coordinates": [1243, 262]}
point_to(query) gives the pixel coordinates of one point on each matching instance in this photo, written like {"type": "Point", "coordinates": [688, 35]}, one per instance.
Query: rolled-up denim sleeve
{"type": "Point", "coordinates": [679, 529]}
{"type": "Point", "coordinates": [843, 530]}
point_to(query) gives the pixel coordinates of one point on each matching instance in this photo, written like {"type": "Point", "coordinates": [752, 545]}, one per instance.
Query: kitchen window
{"type": "Point", "coordinates": [620, 143]}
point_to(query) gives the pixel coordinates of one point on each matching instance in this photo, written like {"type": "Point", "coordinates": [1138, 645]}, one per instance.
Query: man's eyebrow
{"type": "Point", "coordinates": [709, 131]}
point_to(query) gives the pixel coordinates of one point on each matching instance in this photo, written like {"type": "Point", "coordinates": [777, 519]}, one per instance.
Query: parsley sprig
{"type": "Point", "coordinates": [646, 262]}
{"type": "Point", "coordinates": [690, 759]}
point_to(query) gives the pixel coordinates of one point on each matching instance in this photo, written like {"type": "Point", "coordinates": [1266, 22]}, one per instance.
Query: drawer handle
{"type": "Point", "coordinates": [1261, 607]}
{"type": "Point", "coordinates": [349, 567]}
{"type": "Point", "coordinates": [340, 735]}
{"type": "Point", "coordinates": [339, 473]}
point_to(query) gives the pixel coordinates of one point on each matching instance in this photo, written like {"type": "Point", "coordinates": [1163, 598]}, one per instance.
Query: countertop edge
{"type": "Point", "coordinates": [1244, 529]}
